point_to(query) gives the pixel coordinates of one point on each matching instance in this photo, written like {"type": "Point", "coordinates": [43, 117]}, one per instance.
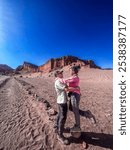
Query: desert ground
{"type": "Point", "coordinates": [27, 105]}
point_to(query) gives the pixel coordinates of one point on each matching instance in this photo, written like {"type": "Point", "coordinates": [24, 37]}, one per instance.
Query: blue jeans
{"type": "Point", "coordinates": [61, 117]}
{"type": "Point", "coordinates": [75, 98]}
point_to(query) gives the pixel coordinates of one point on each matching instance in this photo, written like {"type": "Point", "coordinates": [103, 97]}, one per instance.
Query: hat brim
{"type": "Point", "coordinates": [58, 72]}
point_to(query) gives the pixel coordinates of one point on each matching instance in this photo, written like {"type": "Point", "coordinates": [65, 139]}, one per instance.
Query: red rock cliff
{"type": "Point", "coordinates": [57, 63]}
{"type": "Point", "coordinates": [27, 67]}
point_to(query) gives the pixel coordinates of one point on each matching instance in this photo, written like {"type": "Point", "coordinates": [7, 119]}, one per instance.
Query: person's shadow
{"type": "Point", "coordinates": [97, 139]}
{"type": "Point", "coordinates": [88, 114]}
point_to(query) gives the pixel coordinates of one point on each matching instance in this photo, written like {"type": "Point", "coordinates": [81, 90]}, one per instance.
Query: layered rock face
{"type": "Point", "coordinates": [57, 63]}
{"type": "Point", "coordinates": [50, 65]}
{"type": "Point", "coordinates": [27, 67]}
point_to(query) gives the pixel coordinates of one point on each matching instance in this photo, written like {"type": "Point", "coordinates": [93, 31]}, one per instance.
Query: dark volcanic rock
{"type": "Point", "coordinates": [5, 69]}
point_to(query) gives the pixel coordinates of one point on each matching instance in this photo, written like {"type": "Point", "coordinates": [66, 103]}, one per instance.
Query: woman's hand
{"type": "Point", "coordinates": [66, 89]}
{"type": "Point", "coordinates": [73, 88]}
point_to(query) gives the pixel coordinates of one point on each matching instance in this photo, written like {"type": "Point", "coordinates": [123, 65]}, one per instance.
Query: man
{"type": "Point", "coordinates": [74, 94]}
{"type": "Point", "coordinates": [60, 88]}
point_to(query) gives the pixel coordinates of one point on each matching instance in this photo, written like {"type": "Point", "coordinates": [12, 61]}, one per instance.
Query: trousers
{"type": "Point", "coordinates": [74, 102]}
{"type": "Point", "coordinates": [61, 117]}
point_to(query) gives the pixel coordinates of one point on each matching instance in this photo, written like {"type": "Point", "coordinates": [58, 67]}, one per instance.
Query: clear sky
{"type": "Point", "coordinates": [37, 30]}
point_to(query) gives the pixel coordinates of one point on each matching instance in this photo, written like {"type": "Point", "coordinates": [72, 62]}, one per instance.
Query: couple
{"type": "Point", "coordinates": [63, 87]}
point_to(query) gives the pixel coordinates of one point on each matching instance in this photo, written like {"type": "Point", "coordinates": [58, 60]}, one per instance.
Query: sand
{"type": "Point", "coordinates": [25, 123]}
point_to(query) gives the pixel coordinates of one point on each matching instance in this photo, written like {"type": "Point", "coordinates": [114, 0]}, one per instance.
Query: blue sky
{"type": "Point", "coordinates": [37, 30]}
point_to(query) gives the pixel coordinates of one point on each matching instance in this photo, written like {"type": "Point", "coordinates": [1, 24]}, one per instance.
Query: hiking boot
{"type": "Point", "coordinates": [67, 130]}
{"type": "Point", "coordinates": [92, 119]}
{"type": "Point", "coordinates": [89, 115]}
{"type": "Point", "coordinates": [75, 128]}
{"type": "Point", "coordinates": [62, 139]}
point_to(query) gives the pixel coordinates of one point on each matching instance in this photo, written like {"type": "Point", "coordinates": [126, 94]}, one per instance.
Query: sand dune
{"type": "Point", "coordinates": [25, 122]}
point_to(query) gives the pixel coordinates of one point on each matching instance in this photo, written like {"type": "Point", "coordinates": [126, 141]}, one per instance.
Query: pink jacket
{"type": "Point", "coordinates": [73, 81]}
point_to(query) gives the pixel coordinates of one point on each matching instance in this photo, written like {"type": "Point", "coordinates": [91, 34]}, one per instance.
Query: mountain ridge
{"type": "Point", "coordinates": [5, 69]}
{"type": "Point", "coordinates": [51, 65]}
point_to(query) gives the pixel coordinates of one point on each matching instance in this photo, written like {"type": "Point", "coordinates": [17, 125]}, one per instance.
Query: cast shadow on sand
{"type": "Point", "coordinates": [88, 114]}
{"type": "Point", "coordinates": [95, 139]}
{"type": "Point", "coordinates": [98, 139]}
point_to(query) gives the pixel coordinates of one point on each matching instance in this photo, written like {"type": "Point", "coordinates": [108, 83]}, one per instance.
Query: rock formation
{"type": "Point", "coordinates": [54, 64]}
{"type": "Point", "coordinates": [50, 65]}
{"type": "Point", "coordinates": [27, 67]}
{"type": "Point", "coordinates": [5, 69]}
{"type": "Point", "coordinates": [57, 63]}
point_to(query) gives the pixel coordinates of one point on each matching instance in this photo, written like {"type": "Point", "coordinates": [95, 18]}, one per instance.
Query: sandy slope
{"type": "Point", "coordinates": [21, 124]}
{"type": "Point", "coordinates": [25, 124]}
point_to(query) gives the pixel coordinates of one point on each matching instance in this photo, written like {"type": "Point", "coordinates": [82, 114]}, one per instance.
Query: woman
{"type": "Point", "coordinates": [74, 94]}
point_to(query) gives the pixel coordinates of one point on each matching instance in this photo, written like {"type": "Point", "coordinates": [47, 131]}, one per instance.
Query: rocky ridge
{"type": "Point", "coordinates": [50, 65]}
{"type": "Point", "coordinates": [5, 69]}
{"type": "Point", "coordinates": [61, 62]}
